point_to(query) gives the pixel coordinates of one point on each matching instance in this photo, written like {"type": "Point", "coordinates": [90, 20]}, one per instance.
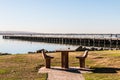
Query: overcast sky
{"type": "Point", "coordinates": [60, 16]}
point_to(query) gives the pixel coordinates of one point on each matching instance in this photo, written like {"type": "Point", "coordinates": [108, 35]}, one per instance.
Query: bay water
{"type": "Point", "coordinates": [21, 47]}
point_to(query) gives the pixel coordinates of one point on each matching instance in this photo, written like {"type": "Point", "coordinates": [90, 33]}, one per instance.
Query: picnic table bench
{"type": "Point", "coordinates": [47, 59]}
{"type": "Point", "coordinates": [82, 59]}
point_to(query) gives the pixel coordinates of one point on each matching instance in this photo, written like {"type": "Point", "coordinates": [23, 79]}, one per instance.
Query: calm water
{"type": "Point", "coordinates": [20, 47]}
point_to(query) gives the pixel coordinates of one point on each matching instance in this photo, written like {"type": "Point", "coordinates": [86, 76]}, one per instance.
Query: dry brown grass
{"type": "Point", "coordinates": [25, 66]}
{"type": "Point", "coordinates": [106, 65]}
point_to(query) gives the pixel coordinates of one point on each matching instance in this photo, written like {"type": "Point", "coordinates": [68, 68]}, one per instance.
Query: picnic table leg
{"type": "Point", "coordinates": [82, 63]}
{"type": "Point", "coordinates": [48, 62]}
{"type": "Point", "coordinates": [64, 60]}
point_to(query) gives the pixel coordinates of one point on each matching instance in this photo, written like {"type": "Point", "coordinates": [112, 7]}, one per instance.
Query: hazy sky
{"type": "Point", "coordinates": [60, 16]}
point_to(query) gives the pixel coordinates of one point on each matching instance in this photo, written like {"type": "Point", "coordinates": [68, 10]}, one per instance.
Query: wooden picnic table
{"type": "Point", "coordinates": [64, 57]}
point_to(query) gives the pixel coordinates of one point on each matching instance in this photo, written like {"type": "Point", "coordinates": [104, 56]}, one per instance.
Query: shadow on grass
{"type": "Point", "coordinates": [104, 70]}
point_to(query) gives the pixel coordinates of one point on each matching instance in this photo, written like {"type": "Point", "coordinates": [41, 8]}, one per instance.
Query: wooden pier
{"type": "Point", "coordinates": [103, 42]}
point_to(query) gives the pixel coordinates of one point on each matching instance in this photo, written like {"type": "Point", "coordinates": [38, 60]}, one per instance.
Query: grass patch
{"type": "Point", "coordinates": [21, 67]}
{"type": "Point", "coordinates": [97, 76]}
{"type": "Point", "coordinates": [4, 71]}
{"type": "Point", "coordinates": [105, 65]}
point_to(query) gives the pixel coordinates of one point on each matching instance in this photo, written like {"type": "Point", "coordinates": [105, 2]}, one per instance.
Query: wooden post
{"type": "Point", "coordinates": [80, 41]}
{"type": "Point", "coordinates": [48, 63]}
{"type": "Point", "coordinates": [93, 42]}
{"type": "Point", "coordinates": [84, 42]}
{"type": "Point", "coordinates": [88, 42]}
{"type": "Point", "coordinates": [76, 41]}
{"type": "Point", "coordinates": [110, 41]}
{"type": "Point", "coordinates": [104, 43]}
{"type": "Point", "coordinates": [72, 41]}
{"type": "Point", "coordinates": [62, 40]}
{"type": "Point", "coordinates": [64, 59]}
{"type": "Point", "coordinates": [82, 62]}
{"type": "Point", "coordinates": [99, 43]}
{"type": "Point", "coordinates": [116, 42]}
